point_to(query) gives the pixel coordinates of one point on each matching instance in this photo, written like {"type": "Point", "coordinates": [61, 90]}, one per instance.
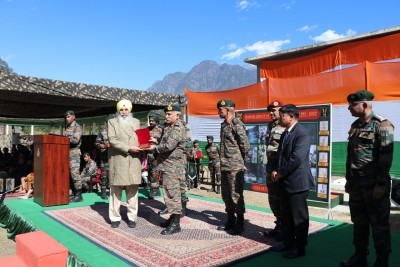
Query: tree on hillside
{"type": "Point", "coordinates": [4, 66]}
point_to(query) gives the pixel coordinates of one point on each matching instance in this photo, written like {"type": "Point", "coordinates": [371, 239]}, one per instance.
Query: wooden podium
{"type": "Point", "coordinates": [51, 168]}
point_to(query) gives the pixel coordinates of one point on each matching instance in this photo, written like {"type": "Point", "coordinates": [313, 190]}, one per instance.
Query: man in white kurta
{"type": "Point", "coordinates": [124, 163]}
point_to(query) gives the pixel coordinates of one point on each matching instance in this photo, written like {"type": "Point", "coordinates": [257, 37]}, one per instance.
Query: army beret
{"type": "Point", "coordinates": [85, 154]}
{"type": "Point", "coordinates": [274, 104]}
{"type": "Point", "coordinates": [69, 112]}
{"type": "Point", "coordinates": [210, 137]}
{"type": "Point", "coordinates": [360, 95]}
{"type": "Point", "coordinates": [154, 117]}
{"type": "Point", "coordinates": [195, 141]}
{"type": "Point", "coordinates": [224, 103]}
{"type": "Point", "coordinates": [172, 107]}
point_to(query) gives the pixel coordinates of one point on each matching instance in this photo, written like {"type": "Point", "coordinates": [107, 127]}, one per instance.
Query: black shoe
{"type": "Point", "coordinates": [294, 253]}
{"type": "Point", "coordinates": [271, 233]}
{"type": "Point", "coordinates": [358, 259]}
{"type": "Point", "coordinates": [281, 248]}
{"type": "Point", "coordinates": [77, 197]}
{"type": "Point", "coordinates": [229, 224]}
{"type": "Point", "coordinates": [131, 224]}
{"type": "Point", "coordinates": [166, 223]}
{"type": "Point", "coordinates": [239, 226]}
{"type": "Point", "coordinates": [115, 224]}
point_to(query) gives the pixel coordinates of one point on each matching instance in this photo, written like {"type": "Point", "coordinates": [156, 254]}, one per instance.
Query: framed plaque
{"type": "Point", "coordinates": [143, 135]}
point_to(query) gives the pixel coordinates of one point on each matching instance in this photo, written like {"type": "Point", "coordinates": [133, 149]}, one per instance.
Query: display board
{"type": "Point", "coordinates": [317, 118]}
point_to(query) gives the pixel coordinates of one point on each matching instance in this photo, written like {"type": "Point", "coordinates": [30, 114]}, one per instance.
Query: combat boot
{"type": "Point", "coordinates": [174, 226]}
{"type": "Point", "coordinates": [218, 189]}
{"type": "Point", "coordinates": [184, 207]}
{"type": "Point", "coordinates": [103, 193]}
{"type": "Point", "coordinates": [274, 232]}
{"type": "Point", "coordinates": [77, 197]}
{"type": "Point", "coordinates": [358, 259]}
{"type": "Point", "coordinates": [382, 260]}
{"type": "Point", "coordinates": [166, 223]}
{"type": "Point", "coordinates": [229, 224]}
{"type": "Point", "coordinates": [239, 226]}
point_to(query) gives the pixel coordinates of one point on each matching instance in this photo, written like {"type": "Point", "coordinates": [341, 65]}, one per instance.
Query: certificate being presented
{"type": "Point", "coordinates": [143, 135]}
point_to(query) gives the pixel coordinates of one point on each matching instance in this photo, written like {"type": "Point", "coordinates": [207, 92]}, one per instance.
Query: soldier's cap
{"type": "Point", "coordinates": [274, 104]}
{"type": "Point", "coordinates": [154, 117]}
{"type": "Point", "coordinates": [224, 103]}
{"type": "Point", "coordinates": [360, 95]}
{"type": "Point", "coordinates": [196, 141]}
{"type": "Point", "coordinates": [172, 107]}
{"type": "Point", "coordinates": [69, 112]}
{"type": "Point", "coordinates": [210, 137]}
{"type": "Point", "coordinates": [85, 154]}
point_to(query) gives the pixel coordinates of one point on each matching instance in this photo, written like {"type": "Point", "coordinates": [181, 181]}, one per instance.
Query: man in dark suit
{"type": "Point", "coordinates": [294, 175]}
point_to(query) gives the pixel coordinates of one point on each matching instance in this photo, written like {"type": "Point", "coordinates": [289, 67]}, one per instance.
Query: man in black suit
{"type": "Point", "coordinates": [294, 175]}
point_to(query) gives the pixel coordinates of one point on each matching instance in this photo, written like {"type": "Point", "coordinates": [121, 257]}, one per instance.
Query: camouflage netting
{"type": "Point", "coordinates": [30, 97]}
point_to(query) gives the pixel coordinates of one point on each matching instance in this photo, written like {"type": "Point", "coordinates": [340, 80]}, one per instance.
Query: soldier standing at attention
{"type": "Point", "coordinates": [234, 148]}
{"type": "Point", "coordinates": [369, 159]}
{"type": "Point", "coordinates": [214, 165]}
{"type": "Point", "coordinates": [74, 133]}
{"type": "Point", "coordinates": [273, 135]}
{"type": "Point", "coordinates": [103, 144]}
{"type": "Point", "coordinates": [171, 161]}
{"type": "Point", "coordinates": [156, 132]}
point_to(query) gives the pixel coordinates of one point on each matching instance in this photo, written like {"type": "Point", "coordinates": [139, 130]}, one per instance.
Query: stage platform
{"type": "Point", "coordinates": [327, 247]}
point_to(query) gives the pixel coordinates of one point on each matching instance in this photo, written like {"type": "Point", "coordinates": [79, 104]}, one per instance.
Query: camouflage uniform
{"type": "Point", "coordinates": [74, 133]}
{"type": "Point", "coordinates": [102, 139]}
{"type": "Point", "coordinates": [234, 147]}
{"type": "Point", "coordinates": [89, 172]}
{"type": "Point", "coordinates": [214, 165]}
{"type": "Point", "coordinates": [369, 159]}
{"type": "Point", "coordinates": [156, 132]}
{"type": "Point", "coordinates": [188, 144]}
{"type": "Point", "coordinates": [171, 161]}
{"type": "Point", "coordinates": [274, 132]}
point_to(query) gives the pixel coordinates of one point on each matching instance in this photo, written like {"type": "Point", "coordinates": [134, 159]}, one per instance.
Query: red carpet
{"type": "Point", "coordinates": [198, 244]}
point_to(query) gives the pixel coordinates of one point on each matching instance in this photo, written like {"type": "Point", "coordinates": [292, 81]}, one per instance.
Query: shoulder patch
{"type": "Point", "coordinates": [379, 117]}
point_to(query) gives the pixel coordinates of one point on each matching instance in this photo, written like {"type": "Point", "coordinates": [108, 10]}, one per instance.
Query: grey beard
{"type": "Point", "coordinates": [124, 121]}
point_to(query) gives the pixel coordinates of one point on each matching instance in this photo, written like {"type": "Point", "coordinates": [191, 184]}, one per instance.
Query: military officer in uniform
{"type": "Point", "coordinates": [273, 135]}
{"type": "Point", "coordinates": [103, 144]}
{"type": "Point", "coordinates": [74, 133]}
{"type": "Point", "coordinates": [156, 132]}
{"type": "Point", "coordinates": [171, 161]}
{"type": "Point", "coordinates": [214, 165]}
{"type": "Point", "coordinates": [234, 148]}
{"type": "Point", "coordinates": [369, 159]}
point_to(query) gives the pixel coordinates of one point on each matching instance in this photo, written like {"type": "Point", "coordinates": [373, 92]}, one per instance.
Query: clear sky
{"type": "Point", "coordinates": [133, 43]}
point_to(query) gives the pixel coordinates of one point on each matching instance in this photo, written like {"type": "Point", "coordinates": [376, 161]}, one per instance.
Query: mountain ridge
{"type": "Point", "coordinates": [207, 76]}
